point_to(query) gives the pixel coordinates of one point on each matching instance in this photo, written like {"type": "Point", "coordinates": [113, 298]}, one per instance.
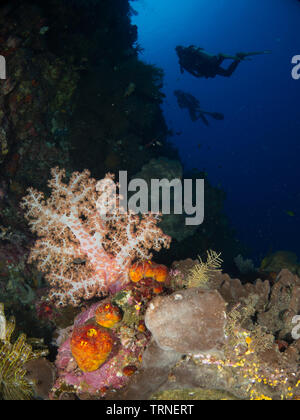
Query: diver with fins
{"type": "Point", "coordinates": [188, 101]}
{"type": "Point", "coordinates": [201, 64]}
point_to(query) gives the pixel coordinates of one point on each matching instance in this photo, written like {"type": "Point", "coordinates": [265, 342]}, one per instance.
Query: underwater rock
{"type": "Point", "coordinates": [42, 373]}
{"type": "Point", "coordinates": [163, 168]}
{"type": "Point", "coordinates": [156, 365]}
{"type": "Point", "coordinates": [244, 265]}
{"type": "Point", "coordinates": [189, 375]}
{"type": "Point", "coordinates": [196, 394]}
{"type": "Point", "coordinates": [179, 272]}
{"type": "Point", "coordinates": [250, 363]}
{"type": "Point", "coordinates": [280, 260]}
{"type": "Point", "coordinates": [233, 291]}
{"type": "Point", "coordinates": [188, 321]}
{"type": "Point", "coordinates": [274, 306]}
{"type": "Point", "coordinates": [284, 304]}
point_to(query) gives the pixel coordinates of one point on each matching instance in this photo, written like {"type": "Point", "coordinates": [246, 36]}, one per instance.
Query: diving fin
{"type": "Point", "coordinates": [243, 55]}
{"type": "Point", "coordinates": [203, 118]}
{"type": "Point", "coordinates": [217, 115]}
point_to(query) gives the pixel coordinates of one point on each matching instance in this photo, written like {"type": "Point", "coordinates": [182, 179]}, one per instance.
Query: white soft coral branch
{"type": "Point", "coordinates": [87, 242]}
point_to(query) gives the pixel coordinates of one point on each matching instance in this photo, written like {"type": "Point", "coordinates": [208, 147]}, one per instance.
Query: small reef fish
{"type": "Point", "coordinates": [153, 143]}
{"type": "Point", "coordinates": [290, 213]}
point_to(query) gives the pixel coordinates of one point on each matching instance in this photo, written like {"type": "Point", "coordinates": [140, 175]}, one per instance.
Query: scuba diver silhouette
{"type": "Point", "coordinates": [188, 101]}
{"type": "Point", "coordinates": [201, 64]}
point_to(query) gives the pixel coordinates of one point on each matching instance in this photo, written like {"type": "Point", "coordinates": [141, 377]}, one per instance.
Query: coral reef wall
{"type": "Point", "coordinates": [74, 87]}
{"type": "Point", "coordinates": [76, 96]}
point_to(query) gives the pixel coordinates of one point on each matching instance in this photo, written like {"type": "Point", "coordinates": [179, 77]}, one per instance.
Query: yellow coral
{"type": "Point", "coordinates": [13, 382]}
{"type": "Point", "coordinates": [200, 274]}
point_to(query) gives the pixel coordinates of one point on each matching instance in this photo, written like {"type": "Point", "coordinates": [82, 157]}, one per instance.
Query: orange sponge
{"type": "Point", "coordinates": [148, 269]}
{"type": "Point", "coordinates": [90, 346]}
{"type": "Point", "coordinates": [107, 315]}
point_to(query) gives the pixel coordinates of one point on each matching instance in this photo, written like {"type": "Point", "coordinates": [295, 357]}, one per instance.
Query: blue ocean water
{"type": "Point", "coordinates": [254, 154]}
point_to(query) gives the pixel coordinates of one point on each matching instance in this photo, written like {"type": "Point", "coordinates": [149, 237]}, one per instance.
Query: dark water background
{"type": "Point", "coordinates": [254, 153]}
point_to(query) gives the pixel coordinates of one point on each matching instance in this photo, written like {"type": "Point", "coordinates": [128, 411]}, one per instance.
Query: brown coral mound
{"type": "Point", "coordinates": [259, 358]}
{"type": "Point", "coordinates": [188, 321]}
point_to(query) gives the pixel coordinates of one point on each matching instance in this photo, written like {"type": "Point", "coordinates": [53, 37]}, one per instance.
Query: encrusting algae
{"type": "Point", "coordinates": [13, 382]}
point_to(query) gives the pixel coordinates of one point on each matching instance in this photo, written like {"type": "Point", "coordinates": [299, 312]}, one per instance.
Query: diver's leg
{"type": "Point", "coordinates": [228, 72]}
{"type": "Point", "coordinates": [220, 58]}
{"type": "Point", "coordinates": [203, 118]}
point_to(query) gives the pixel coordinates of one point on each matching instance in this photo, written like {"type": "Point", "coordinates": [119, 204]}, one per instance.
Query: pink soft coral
{"type": "Point", "coordinates": [87, 243]}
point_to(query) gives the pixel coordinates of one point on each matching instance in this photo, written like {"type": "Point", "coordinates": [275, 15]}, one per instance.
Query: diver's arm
{"type": "Point", "coordinates": [192, 72]}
